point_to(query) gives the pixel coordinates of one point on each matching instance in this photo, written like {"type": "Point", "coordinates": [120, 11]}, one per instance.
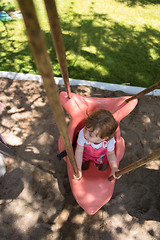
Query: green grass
{"type": "Point", "coordinates": [7, 5]}
{"type": "Point", "coordinates": [114, 41]}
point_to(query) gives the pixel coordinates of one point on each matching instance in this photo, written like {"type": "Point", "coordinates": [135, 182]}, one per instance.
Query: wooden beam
{"type": "Point", "coordinates": [151, 157]}
{"type": "Point", "coordinates": [58, 41]}
{"type": "Point", "coordinates": [42, 59]}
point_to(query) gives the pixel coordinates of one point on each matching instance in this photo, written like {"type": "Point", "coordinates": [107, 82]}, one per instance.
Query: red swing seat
{"type": "Point", "coordinates": [93, 190]}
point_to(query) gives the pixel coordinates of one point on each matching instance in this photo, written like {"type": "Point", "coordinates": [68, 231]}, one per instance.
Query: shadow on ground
{"type": "Point", "coordinates": [36, 199]}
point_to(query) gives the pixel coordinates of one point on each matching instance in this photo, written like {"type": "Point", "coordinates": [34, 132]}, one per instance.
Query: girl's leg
{"type": "Point", "coordinates": [101, 167]}
{"type": "Point", "coordinates": [85, 165]}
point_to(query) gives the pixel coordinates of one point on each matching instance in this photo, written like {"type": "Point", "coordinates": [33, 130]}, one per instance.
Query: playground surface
{"type": "Point", "coordinates": [36, 201]}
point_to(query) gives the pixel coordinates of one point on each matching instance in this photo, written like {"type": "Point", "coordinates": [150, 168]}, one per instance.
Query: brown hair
{"type": "Point", "coordinates": [103, 121]}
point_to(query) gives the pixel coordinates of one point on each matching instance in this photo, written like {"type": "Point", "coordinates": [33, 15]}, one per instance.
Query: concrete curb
{"type": "Point", "coordinates": [59, 81]}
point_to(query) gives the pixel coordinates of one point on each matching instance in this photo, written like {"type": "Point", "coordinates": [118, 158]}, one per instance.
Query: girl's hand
{"type": "Point", "coordinates": [113, 163]}
{"type": "Point", "coordinates": [114, 173]}
{"type": "Point", "coordinates": [79, 177]}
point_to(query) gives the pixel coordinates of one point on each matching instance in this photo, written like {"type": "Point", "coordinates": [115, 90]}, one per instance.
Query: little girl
{"type": "Point", "coordinates": [96, 142]}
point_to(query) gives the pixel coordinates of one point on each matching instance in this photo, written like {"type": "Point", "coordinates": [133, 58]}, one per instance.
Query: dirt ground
{"type": "Point", "coordinates": [36, 201]}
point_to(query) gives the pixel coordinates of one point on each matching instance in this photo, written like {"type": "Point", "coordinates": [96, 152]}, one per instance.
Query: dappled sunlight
{"type": "Point", "coordinates": [79, 218]}
{"type": "Point", "coordinates": [146, 120]}
{"type": "Point", "coordinates": [36, 201]}
{"type": "Point", "coordinates": [12, 138]}
{"type": "Point", "coordinates": [154, 55]}
{"type": "Point", "coordinates": [143, 3]}
{"type": "Point", "coordinates": [32, 149]}
{"type": "Point", "coordinates": [24, 213]}
{"type": "Point", "coordinates": [104, 41]}
{"type": "Point", "coordinates": [35, 198]}
{"type": "Point", "coordinates": [44, 137]}
{"type": "Point", "coordinates": [154, 165]}
{"type": "Point", "coordinates": [109, 48]}
{"type": "Point", "coordinates": [63, 217]}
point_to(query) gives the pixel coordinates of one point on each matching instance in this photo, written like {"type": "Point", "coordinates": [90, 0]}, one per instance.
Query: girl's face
{"type": "Point", "coordinates": [91, 136]}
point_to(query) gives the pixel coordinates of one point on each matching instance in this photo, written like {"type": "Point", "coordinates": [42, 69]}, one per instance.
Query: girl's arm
{"type": "Point", "coordinates": [112, 162]}
{"type": "Point", "coordinates": [79, 157]}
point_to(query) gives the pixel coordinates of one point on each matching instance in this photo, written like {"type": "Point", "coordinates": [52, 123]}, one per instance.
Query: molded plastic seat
{"type": "Point", "coordinates": [93, 190]}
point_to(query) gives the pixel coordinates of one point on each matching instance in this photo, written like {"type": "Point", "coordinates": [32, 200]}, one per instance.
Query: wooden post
{"type": "Point", "coordinates": [151, 157]}
{"type": "Point", "coordinates": [58, 41]}
{"type": "Point", "coordinates": [145, 91]}
{"type": "Point", "coordinates": [42, 59]}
